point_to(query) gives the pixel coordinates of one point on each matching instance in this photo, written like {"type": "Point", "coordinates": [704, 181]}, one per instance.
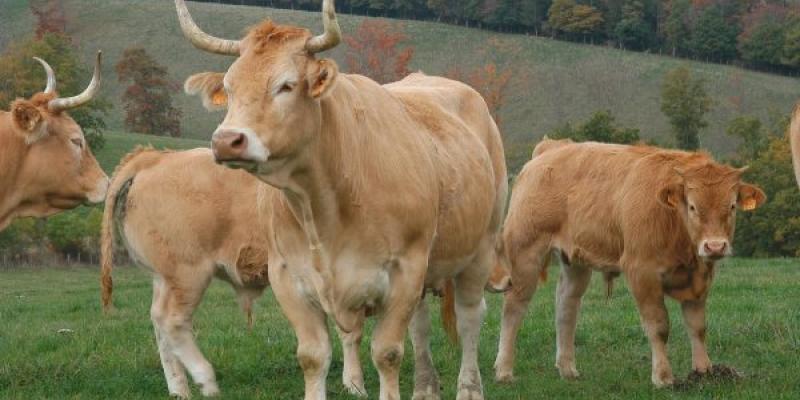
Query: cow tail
{"type": "Point", "coordinates": [449, 311]}
{"type": "Point", "coordinates": [794, 138]}
{"type": "Point", "coordinates": [121, 180]}
{"type": "Point", "coordinates": [609, 279]}
{"type": "Point", "coordinates": [545, 267]}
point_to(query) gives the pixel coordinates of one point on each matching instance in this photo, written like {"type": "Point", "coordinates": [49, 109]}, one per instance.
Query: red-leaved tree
{"type": "Point", "coordinates": [50, 17]}
{"type": "Point", "coordinates": [148, 98]}
{"type": "Point", "coordinates": [375, 51]}
{"type": "Point", "coordinates": [490, 81]}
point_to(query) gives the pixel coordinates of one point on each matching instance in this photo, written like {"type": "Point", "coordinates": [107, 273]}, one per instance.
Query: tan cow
{"type": "Point", "coordinates": [45, 164]}
{"type": "Point", "coordinates": [188, 220]}
{"type": "Point", "coordinates": [386, 191]}
{"type": "Point", "coordinates": [794, 138]}
{"type": "Point", "coordinates": [662, 218]}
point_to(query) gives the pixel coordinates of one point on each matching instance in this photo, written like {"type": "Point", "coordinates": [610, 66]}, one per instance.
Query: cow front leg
{"type": "Point", "coordinates": [352, 375]}
{"type": "Point", "coordinates": [525, 269]}
{"type": "Point", "coordinates": [694, 317]}
{"type": "Point", "coordinates": [648, 291]}
{"type": "Point", "coordinates": [426, 380]}
{"type": "Point", "coordinates": [572, 284]}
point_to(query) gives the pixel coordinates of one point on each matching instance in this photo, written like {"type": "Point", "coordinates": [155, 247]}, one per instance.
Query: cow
{"type": "Point", "coordinates": [385, 192]}
{"type": "Point", "coordinates": [187, 220]}
{"type": "Point", "coordinates": [45, 164]}
{"type": "Point", "coordinates": [794, 138]}
{"type": "Point", "coordinates": [661, 218]}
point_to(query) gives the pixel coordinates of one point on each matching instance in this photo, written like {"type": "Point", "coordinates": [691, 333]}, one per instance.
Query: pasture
{"type": "Point", "coordinates": [754, 325]}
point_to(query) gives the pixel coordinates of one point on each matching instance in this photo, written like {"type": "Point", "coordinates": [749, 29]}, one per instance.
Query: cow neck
{"type": "Point", "coordinates": [13, 148]}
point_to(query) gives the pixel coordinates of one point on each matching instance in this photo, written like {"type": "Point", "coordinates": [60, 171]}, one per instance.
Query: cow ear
{"type": "Point", "coordinates": [671, 196]}
{"type": "Point", "coordinates": [29, 119]}
{"type": "Point", "coordinates": [750, 197]}
{"type": "Point", "coordinates": [210, 87]}
{"type": "Point", "coordinates": [322, 77]}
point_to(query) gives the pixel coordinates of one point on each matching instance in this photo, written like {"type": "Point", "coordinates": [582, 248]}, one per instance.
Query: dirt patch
{"type": "Point", "coordinates": [718, 374]}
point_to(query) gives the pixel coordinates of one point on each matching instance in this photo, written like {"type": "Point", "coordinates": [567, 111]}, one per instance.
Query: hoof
{"type": "Point", "coordinates": [355, 387]}
{"type": "Point", "coordinates": [467, 394]}
{"type": "Point", "coordinates": [210, 390]}
{"type": "Point", "coordinates": [569, 373]}
{"type": "Point", "coordinates": [504, 377]}
{"type": "Point", "coordinates": [663, 382]}
{"type": "Point", "coordinates": [179, 395]}
{"type": "Point", "coordinates": [429, 395]}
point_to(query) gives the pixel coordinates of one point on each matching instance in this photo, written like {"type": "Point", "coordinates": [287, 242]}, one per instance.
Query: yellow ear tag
{"type": "Point", "coordinates": [749, 204]}
{"type": "Point", "coordinates": [219, 98]}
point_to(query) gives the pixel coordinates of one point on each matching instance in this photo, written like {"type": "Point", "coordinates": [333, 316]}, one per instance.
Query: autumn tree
{"type": "Point", "coordinates": [685, 103]}
{"type": "Point", "coordinates": [490, 80]}
{"type": "Point", "coordinates": [375, 51]}
{"type": "Point", "coordinates": [21, 76]}
{"type": "Point", "coordinates": [50, 17]}
{"type": "Point", "coordinates": [148, 98]}
{"type": "Point", "coordinates": [577, 19]}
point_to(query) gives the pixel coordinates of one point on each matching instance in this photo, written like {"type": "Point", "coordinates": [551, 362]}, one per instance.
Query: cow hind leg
{"type": "Point", "coordinates": [525, 269]}
{"type": "Point", "coordinates": [572, 284]}
{"type": "Point", "coordinates": [426, 380]}
{"type": "Point", "coordinates": [352, 375]}
{"type": "Point", "coordinates": [470, 308]}
{"type": "Point", "coordinates": [174, 373]}
{"type": "Point", "coordinates": [175, 323]}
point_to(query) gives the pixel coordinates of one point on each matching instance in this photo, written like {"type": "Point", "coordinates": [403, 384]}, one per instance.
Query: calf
{"type": "Point", "coordinates": [661, 218]}
{"type": "Point", "coordinates": [187, 220]}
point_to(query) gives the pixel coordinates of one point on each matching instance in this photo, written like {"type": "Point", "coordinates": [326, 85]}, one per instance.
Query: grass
{"type": "Point", "coordinates": [118, 144]}
{"type": "Point", "coordinates": [754, 325]}
{"type": "Point", "coordinates": [566, 81]}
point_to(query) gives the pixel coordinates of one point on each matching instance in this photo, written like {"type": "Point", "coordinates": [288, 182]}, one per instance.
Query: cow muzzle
{"type": "Point", "coordinates": [229, 146]}
{"type": "Point", "coordinates": [715, 248]}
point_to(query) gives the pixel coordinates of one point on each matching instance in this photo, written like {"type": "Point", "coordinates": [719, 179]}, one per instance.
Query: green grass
{"type": "Point", "coordinates": [754, 325]}
{"type": "Point", "coordinates": [118, 144]}
{"type": "Point", "coordinates": [567, 82]}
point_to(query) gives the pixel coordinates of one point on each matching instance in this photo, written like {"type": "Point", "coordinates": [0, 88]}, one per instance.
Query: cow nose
{"type": "Point", "coordinates": [716, 247]}
{"type": "Point", "coordinates": [229, 145]}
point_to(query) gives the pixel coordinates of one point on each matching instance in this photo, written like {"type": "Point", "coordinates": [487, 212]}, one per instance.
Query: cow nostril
{"type": "Point", "coordinates": [239, 141]}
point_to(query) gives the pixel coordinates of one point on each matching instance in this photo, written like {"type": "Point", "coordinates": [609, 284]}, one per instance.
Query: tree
{"type": "Point", "coordinates": [764, 44]}
{"type": "Point", "coordinates": [375, 51]}
{"type": "Point", "coordinates": [21, 76]}
{"type": "Point", "coordinates": [632, 30]}
{"type": "Point", "coordinates": [685, 102]}
{"type": "Point", "coordinates": [578, 19]}
{"type": "Point", "coordinates": [676, 27]}
{"type": "Point", "coordinates": [791, 43]}
{"type": "Point", "coordinates": [490, 81]}
{"type": "Point", "coordinates": [713, 37]}
{"type": "Point", "coordinates": [50, 17]}
{"type": "Point", "coordinates": [148, 98]}
{"type": "Point", "coordinates": [601, 127]}
{"type": "Point", "coordinates": [753, 136]}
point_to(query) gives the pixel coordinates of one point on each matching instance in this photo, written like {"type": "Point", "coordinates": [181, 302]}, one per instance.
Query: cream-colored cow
{"type": "Point", "coordinates": [385, 191]}
{"type": "Point", "coordinates": [45, 164]}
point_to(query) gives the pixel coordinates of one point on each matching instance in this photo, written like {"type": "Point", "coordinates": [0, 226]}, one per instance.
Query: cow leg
{"type": "Point", "coordinates": [407, 282]}
{"type": "Point", "coordinates": [311, 328]}
{"type": "Point", "coordinates": [175, 324]}
{"type": "Point", "coordinates": [470, 308]}
{"type": "Point", "coordinates": [648, 291]}
{"type": "Point", "coordinates": [173, 370]}
{"type": "Point", "coordinates": [694, 317]}
{"type": "Point", "coordinates": [572, 284]}
{"type": "Point", "coordinates": [426, 380]}
{"type": "Point", "coordinates": [352, 376]}
{"type": "Point", "coordinates": [525, 278]}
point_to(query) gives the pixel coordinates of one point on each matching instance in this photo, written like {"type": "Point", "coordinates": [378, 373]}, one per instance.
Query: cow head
{"type": "Point", "coordinates": [272, 91]}
{"type": "Point", "coordinates": [706, 197]}
{"type": "Point", "coordinates": [55, 169]}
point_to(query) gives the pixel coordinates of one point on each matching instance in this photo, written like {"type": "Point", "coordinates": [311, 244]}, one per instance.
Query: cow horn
{"type": "Point", "coordinates": [333, 33]}
{"type": "Point", "coordinates": [200, 39]}
{"type": "Point", "coordinates": [51, 76]}
{"type": "Point", "coordinates": [60, 104]}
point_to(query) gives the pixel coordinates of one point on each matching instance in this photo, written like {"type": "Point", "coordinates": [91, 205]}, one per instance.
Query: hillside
{"type": "Point", "coordinates": [118, 144]}
{"type": "Point", "coordinates": [566, 82]}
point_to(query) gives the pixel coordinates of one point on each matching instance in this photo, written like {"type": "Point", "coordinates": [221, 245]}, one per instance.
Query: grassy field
{"type": "Point", "coordinates": [118, 144]}
{"type": "Point", "coordinates": [565, 82]}
{"type": "Point", "coordinates": [754, 325]}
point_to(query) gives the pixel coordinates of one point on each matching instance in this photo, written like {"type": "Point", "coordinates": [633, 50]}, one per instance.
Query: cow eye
{"type": "Point", "coordinates": [77, 142]}
{"type": "Point", "coordinates": [286, 88]}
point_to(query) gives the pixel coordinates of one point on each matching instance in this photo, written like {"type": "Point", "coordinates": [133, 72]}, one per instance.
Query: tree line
{"type": "Point", "coordinates": [758, 34]}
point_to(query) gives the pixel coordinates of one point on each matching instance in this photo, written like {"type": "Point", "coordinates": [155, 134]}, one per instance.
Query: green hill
{"type": "Point", "coordinates": [118, 144]}
{"type": "Point", "coordinates": [565, 81]}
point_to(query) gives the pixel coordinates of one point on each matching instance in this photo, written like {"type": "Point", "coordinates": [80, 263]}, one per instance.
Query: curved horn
{"type": "Point", "coordinates": [200, 39]}
{"type": "Point", "coordinates": [333, 33]}
{"type": "Point", "coordinates": [51, 76]}
{"type": "Point", "coordinates": [60, 104]}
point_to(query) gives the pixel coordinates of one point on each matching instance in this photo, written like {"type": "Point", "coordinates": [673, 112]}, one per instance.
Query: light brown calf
{"type": "Point", "coordinates": [46, 165]}
{"type": "Point", "coordinates": [662, 218]}
{"type": "Point", "coordinates": [187, 220]}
